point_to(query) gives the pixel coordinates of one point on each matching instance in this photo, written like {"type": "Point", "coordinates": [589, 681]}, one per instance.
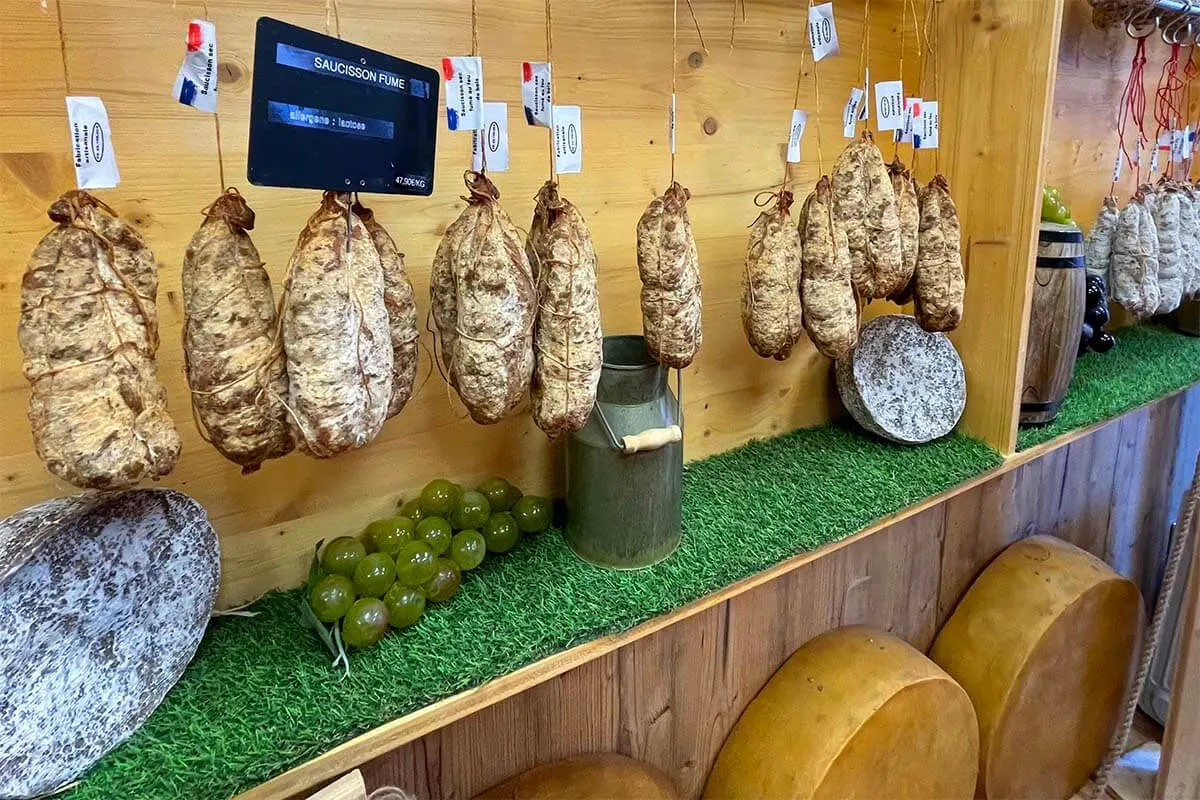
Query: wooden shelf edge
{"type": "Point", "coordinates": [402, 730]}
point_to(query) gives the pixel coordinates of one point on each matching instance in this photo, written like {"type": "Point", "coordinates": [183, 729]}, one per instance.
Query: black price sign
{"type": "Point", "coordinates": [328, 114]}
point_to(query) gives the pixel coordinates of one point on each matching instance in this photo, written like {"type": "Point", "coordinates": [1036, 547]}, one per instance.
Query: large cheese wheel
{"type": "Point", "coordinates": [603, 776]}
{"type": "Point", "coordinates": [1043, 643]}
{"type": "Point", "coordinates": [854, 713]}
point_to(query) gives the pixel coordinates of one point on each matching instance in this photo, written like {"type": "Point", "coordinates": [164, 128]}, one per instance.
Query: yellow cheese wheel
{"type": "Point", "coordinates": [603, 776]}
{"type": "Point", "coordinates": [854, 713]}
{"type": "Point", "coordinates": [1043, 642]}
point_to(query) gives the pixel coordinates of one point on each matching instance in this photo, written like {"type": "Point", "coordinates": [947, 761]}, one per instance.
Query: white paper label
{"type": "Point", "coordinates": [889, 105]}
{"type": "Point", "coordinates": [196, 83]}
{"type": "Point", "coordinates": [489, 147]}
{"type": "Point", "coordinates": [822, 33]}
{"type": "Point", "coordinates": [1116, 176]}
{"type": "Point", "coordinates": [671, 124]}
{"type": "Point", "coordinates": [1154, 162]}
{"type": "Point", "coordinates": [568, 140]}
{"type": "Point", "coordinates": [535, 93]}
{"type": "Point", "coordinates": [912, 111]}
{"type": "Point", "coordinates": [850, 114]}
{"type": "Point", "coordinates": [1180, 145]}
{"type": "Point", "coordinates": [464, 92]}
{"type": "Point", "coordinates": [91, 144]}
{"type": "Point", "coordinates": [799, 121]}
{"type": "Point", "coordinates": [925, 133]}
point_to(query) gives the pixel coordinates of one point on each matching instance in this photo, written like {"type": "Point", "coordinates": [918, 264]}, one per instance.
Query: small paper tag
{"type": "Point", "coordinates": [799, 121]}
{"type": "Point", "coordinates": [925, 133]}
{"type": "Point", "coordinates": [850, 114]}
{"type": "Point", "coordinates": [822, 32]}
{"type": "Point", "coordinates": [568, 140]}
{"type": "Point", "coordinates": [1117, 164]}
{"type": "Point", "coordinates": [912, 111]}
{"type": "Point", "coordinates": [535, 93]}
{"type": "Point", "coordinates": [889, 105]}
{"type": "Point", "coordinates": [464, 92]}
{"type": "Point", "coordinates": [494, 140]}
{"type": "Point", "coordinates": [671, 124]}
{"type": "Point", "coordinates": [1154, 162]}
{"type": "Point", "coordinates": [1179, 146]}
{"type": "Point", "coordinates": [196, 83]}
{"type": "Point", "coordinates": [91, 144]}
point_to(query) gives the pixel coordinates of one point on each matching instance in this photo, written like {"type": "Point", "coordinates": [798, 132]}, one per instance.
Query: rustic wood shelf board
{"type": "Point", "coordinates": [261, 696]}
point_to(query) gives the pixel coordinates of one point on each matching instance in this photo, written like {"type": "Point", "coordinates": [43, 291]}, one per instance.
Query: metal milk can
{"type": "Point", "coordinates": [625, 466]}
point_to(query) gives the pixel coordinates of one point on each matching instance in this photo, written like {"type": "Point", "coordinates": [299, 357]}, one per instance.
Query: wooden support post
{"type": "Point", "coordinates": [1179, 769]}
{"type": "Point", "coordinates": [995, 70]}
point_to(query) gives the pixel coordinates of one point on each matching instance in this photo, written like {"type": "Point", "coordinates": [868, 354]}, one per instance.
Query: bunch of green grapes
{"type": "Point", "coordinates": [1053, 207]}
{"type": "Point", "coordinates": [386, 577]}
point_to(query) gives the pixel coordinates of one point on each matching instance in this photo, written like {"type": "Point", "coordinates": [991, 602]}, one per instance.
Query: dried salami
{"type": "Point", "coordinates": [1167, 225]}
{"type": "Point", "coordinates": [89, 333]}
{"type": "Point", "coordinates": [335, 333]}
{"type": "Point", "coordinates": [669, 266]}
{"type": "Point", "coordinates": [940, 282]}
{"type": "Point", "coordinates": [401, 306]}
{"type": "Point", "coordinates": [865, 205]}
{"type": "Point", "coordinates": [231, 345]}
{"type": "Point", "coordinates": [487, 335]}
{"type": "Point", "coordinates": [1134, 263]}
{"type": "Point", "coordinates": [771, 311]}
{"type": "Point", "coordinates": [1098, 250]}
{"type": "Point", "coordinates": [830, 307]}
{"type": "Point", "coordinates": [908, 211]}
{"type": "Point", "coordinates": [566, 334]}
{"type": "Point", "coordinates": [1189, 229]}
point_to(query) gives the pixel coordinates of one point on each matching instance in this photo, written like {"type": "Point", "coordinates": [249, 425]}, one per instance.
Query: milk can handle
{"type": "Point", "coordinates": [651, 438]}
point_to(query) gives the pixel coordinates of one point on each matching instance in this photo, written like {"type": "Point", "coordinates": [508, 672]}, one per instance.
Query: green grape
{"type": "Point", "coordinates": [404, 604]}
{"type": "Point", "coordinates": [415, 564]}
{"type": "Point", "coordinates": [389, 535]}
{"type": "Point", "coordinates": [331, 598]}
{"type": "Point", "coordinates": [438, 496]}
{"type": "Point", "coordinates": [435, 532]}
{"type": "Point", "coordinates": [374, 575]}
{"type": "Point", "coordinates": [500, 493]}
{"type": "Point", "coordinates": [412, 510]}
{"type": "Point", "coordinates": [467, 549]}
{"type": "Point", "coordinates": [444, 583]}
{"type": "Point", "coordinates": [342, 555]}
{"type": "Point", "coordinates": [366, 622]}
{"type": "Point", "coordinates": [471, 511]}
{"type": "Point", "coordinates": [500, 532]}
{"type": "Point", "coordinates": [532, 514]}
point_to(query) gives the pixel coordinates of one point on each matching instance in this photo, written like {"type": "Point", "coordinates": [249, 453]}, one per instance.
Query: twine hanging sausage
{"type": "Point", "coordinates": [669, 267]}
{"type": "Point", "coordinates": [771, 312]}
{"type": "Point", "coordinates": [232, 350]}
{"type": "Point", "coordinates": [566, 336]}
{"type": "Point", "coordinates": [89, 333]}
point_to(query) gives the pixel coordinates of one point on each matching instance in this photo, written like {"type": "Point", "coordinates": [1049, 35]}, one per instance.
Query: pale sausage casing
{"type": "Point", "coordinates": [232, 354]}
{"type": "Point", "coordinates": [89, 332]}
{"type": "Point", "coordinates": [669, 266]}
{"type": "Point", "coordinates": [335, 334]}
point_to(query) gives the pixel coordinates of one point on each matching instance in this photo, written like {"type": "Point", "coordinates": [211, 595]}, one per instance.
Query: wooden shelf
{"type": "Point", "coordinates": [413, 726]}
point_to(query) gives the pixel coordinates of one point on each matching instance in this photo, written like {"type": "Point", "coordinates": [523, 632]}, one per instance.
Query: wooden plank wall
{"type": "Point", "coordinates": [671, 698]}
{"type": "Point", "coordinates": [734, 109]}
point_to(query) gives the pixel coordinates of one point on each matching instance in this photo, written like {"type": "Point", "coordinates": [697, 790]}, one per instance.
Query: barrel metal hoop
{"type": "Point", "coordinates": [1060, 262]}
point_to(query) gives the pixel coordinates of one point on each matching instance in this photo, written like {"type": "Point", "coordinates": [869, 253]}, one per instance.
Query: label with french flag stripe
{"type": "Point", "coordinates": [196, 83]}
{"type": "Point", "coordinates": [464, 92]}
{"type": "Point", "coordinates": [535, 93]}
{"type": "Point", "coordinates": [912, 111]}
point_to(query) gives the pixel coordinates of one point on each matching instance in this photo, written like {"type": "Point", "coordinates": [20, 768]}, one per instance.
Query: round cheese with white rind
{"type": "Point", "coordinates": [103, 602]}
{"type": "Point", "coordinates": [903, 383]}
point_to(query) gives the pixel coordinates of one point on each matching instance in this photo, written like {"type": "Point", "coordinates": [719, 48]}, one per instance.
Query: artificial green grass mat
{"type": "Point", "coordinates": [260, 696]}
{"type": "Point", "coordinates": [1149, 362]}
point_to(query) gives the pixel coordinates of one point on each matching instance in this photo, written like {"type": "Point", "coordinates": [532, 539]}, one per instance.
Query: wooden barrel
{"type": "Point", "coordinates": [1055, 321]}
